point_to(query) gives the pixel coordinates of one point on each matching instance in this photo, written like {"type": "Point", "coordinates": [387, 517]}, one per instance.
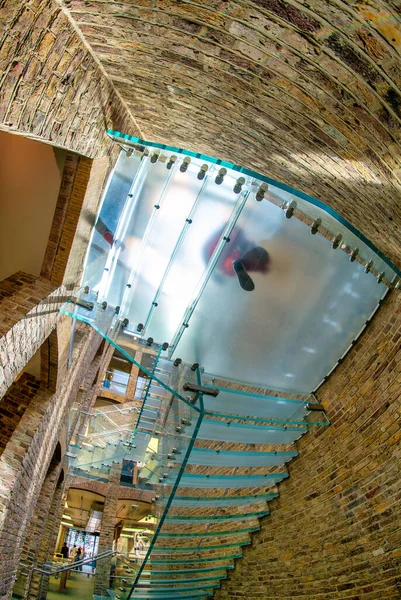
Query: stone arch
{"type": "Point", "coordinates": [89, 485]}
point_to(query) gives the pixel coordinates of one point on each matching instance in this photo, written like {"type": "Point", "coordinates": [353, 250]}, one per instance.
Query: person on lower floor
{"type": "Point", "coordinates": [65, 551]}
{"type": "Point", "coordinates": [78, 558]}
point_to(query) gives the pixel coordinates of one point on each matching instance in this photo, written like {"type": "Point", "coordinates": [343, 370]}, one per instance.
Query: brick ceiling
{"type": "Point", "coordinates": [308, 93]}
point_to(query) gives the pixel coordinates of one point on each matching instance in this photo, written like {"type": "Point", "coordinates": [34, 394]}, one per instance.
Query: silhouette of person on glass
{"type": "Point", "coordinates": [240, 257]}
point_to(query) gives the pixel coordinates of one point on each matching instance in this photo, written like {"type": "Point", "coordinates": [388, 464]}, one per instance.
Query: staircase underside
{"type": "Point", "coordinates": [236, 296]}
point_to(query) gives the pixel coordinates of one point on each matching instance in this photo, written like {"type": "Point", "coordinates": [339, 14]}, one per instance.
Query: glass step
{"type": "Point", "coordinates": [201, 519]}
{"type": "Point", "coordinates": [157, 549]}
{"type": "Point", "coordinates": [191, 580]}
{"type": "Point", "coordinates": [230, 481]}
{"type": "Point", "coordinates": [203, 534]}
{"type": "Point", "coordinates": [256, 405]}
{"type": "Point", "coordinates": [188, 561]}
{"type": "Point", "coordinates": [228, 458]}
{"type": "Point", "coordinates": [186, 571]}
{"type": "Point", "coordinates": [204, 502]}
{"type": "Point", "coordinates": [225, 431]}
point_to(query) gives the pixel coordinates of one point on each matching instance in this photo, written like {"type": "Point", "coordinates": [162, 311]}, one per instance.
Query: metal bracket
{"type": "Point", "coordinates": [83, 303]}
{"type": "Point", "coordinates": [316, 407]}
{"type": "Point", "coordinates": [192, 387]}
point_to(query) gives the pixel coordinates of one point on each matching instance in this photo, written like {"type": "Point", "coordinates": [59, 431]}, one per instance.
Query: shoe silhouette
{"type": "Point", "coordinates": [255, 260]}
{"type": "Point", "coordinates": [244, 279]}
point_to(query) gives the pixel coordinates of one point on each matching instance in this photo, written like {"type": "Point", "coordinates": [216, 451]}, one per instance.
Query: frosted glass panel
{"type": "Point", "coordinates": [330, 222]}
{"type": "Point", "coordinates": [115, 197]}
{"type": "Point", "coordinates": [252, 434]}
{"type": "Point", "coordinates": [158, 245]}
{"type": "Point", "coordinates": [131, 229]}
{"type": "Point", "coordinates": [301, 317]}
{"type": "Point", "coordinates": [210, 216]}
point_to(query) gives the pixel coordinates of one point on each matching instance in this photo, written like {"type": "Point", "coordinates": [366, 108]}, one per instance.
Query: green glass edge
{"type": "Point", "coordinates": [182, 571]}
{"type": "Point", "coordinates": [184, 589]}
{"type": "Point", "coordinates": [257, 498]}
{"type": "Point", "coordinates": [190, 549]}
{"type": "Point", "coordinates": [233, 417]}
{"type": "Point", "coordinates": [189, 476]}
{"type": "Point", "coordinates": [227, 557]}
{"type": "Point", "coordinates": [201, 534]}
{"type": "Point", "coordinates": [215, 578]}
{"type": "Point", "coordinates": [236, 517]}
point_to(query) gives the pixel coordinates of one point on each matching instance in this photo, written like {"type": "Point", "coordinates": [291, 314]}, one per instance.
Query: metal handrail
{"type": "Point", "coordinates": [73, 565]}
{"type": "Point", "coordinates": [77, 563]}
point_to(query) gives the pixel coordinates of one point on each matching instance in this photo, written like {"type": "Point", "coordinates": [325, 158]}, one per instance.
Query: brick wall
{"type": "Point", "coordinates": [49, 540]}
{"type": "Point", "coordinates": [30, 554]}
{"type": "Point", "coordinates": [80, 192]}
{"type": "Point", "coordinates": [306, 92]}
{"type": "Point", "coordinates": [28, 313]}
{"type": "Point", "coordinates": [51, 86]}
{"type": "Point", "coordinates": [334, 531]}
{"type": "Point", "coordinates": [14, 405]}
{"type": "Point", "coordinates": [26, 457]}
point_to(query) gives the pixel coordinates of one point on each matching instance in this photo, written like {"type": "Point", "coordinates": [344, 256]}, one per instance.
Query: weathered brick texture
{"type": "Point", "coordinates": [80, 192]}
{"type": "Point", "coordinates": [334, 531]}
{"type": "Point", "coordinates": [31, 550]}
{"type": "Point", "coordinates": [50, 536]}
{"type": "Point", "coordinates": [26, 457]}
{"type": "Point", "coordinates": [14, 405]}
{"type": "Point", "coordinates": [308, 93]}
{"type": "Point", "coordinates": [52, 88]}
{"type": "Point", "coordinates": [28, 313]}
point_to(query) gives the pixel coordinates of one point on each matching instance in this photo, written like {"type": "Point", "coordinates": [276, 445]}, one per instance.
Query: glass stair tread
{"type": "Point", "coordinates": [190, 549]}
{"type": "Point", "coordinates": [230, 481]}
{"type": "Point", "coordinates": [173, 519]}
{"type": "Point", "coordinates": [196, 560]}
{"type": "Point", "coordinates": [203, 502]}
{"type": "Point", "coordinates": [229, 458]}
{"type": "Point", "coordinates": [205, 534]}
{"type": "Point", "coordinates": [257, 405]}
{"type": "Point", "coordinates": [226, 431]}
{"type": "Point", "coordinates": [191, 580]}
{"type": "Point", "coordinates": [171, 595]}
{"type": "Point", "coordinates": [165, 572]}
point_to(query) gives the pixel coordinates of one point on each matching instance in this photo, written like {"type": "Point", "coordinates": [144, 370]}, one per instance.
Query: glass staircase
{"type": "Point", "coordinates": [235, 296]}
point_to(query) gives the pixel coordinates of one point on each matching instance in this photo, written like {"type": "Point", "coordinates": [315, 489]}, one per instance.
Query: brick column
{"type": "Point", "coordinates": [28, 314]}
{"type": "Point", "coordinates": [133, 377]}
{"type": "Point", "coordinates": [26, 458]}
{"type": "Point", "coordinates": [107, 530]}
{"type": "Point", "coordinates": [50, 535]}
{"type": "Point", "coordinates": [36, 530]}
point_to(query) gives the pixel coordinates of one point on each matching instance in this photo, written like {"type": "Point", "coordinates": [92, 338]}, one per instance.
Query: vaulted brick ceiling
{"type": "Point", "coordinates": [308, 93]}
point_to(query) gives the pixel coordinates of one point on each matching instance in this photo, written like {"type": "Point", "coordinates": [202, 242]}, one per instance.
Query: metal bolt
{"type": "Point", "coordinates": [260, 194]}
